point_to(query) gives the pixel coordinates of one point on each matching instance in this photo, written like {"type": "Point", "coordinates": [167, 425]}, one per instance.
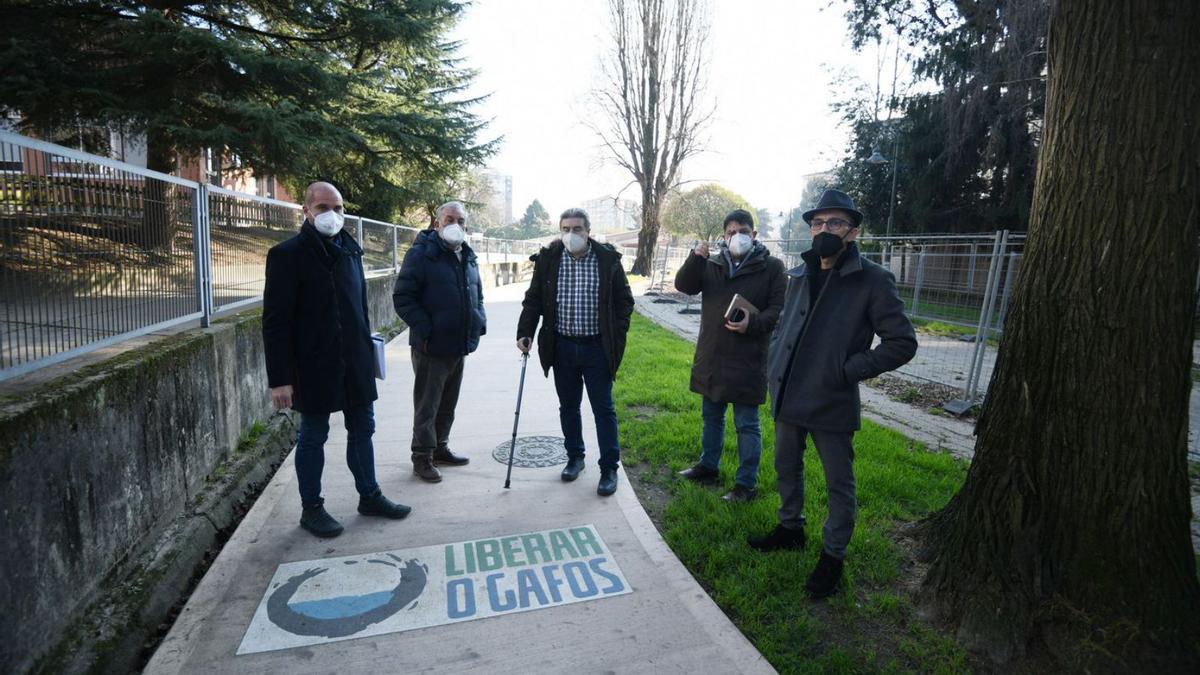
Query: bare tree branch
{"type": "Point", "coordinates": [651, 99]}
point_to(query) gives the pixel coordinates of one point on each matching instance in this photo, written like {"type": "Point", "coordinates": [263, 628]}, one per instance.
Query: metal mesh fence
{"type": "Point", "coordinates": [380, 243]}
{"type": "Point", "coordinates": [95, 251]}
{"type": "Point", "coordinates": [954, 288]}
{"type": "Point", "coordinates": [241, 229]}
{"type": "Point", "coordinates": [89, 251]}
{"type": "Point", "coordinates": [492, 250]}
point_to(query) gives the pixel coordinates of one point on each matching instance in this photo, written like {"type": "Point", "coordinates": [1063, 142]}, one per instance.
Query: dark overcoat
{"type": "Point", "coordinates": [316, 330]}
{"type": "Point", "coordinates": [541, 301]}
{"type": "Point", "coordinates": [819, 355]}
{"type": "Point", "coordinates": [731, 367]}
{"type": "Point", "coordinates": [440, 297]}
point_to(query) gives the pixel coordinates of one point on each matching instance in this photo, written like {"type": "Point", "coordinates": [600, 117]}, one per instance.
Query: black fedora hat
{"type": "Point", "coordinates": [834, 199]}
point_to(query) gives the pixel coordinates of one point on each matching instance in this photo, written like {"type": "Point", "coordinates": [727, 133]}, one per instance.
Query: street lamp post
{"type": "Point", "coordinates": [877, 158]}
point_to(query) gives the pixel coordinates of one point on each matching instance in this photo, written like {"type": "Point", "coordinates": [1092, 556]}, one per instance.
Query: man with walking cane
{"type": "Point", "coordinates": [580, 293]}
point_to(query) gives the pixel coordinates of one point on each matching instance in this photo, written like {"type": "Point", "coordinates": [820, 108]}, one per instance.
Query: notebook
{"type": "Point", "coordinates": [380, 364]}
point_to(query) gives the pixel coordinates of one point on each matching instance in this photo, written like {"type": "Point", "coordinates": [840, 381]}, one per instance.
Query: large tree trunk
{"type": "Point", "coordinates": [1071, 535]}
{"type": "Point", "coordinates": [643, 264]}
{"type": "Point", "coordinates": [157, 230]}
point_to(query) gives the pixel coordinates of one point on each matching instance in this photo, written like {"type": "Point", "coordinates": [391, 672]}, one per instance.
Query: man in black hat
{"type": "Point", "coordinates": [837, 302]}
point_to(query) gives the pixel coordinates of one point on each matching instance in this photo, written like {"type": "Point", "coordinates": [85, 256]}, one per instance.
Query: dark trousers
{"type": "Point", "coordinates": [836, 451]}
{"type": "Point", "coordinates": [435, 395]}
{"type": "Point", "coordinates": [360, 452]}
{"type": "Point", "coordinates": [580, 363]}
{"type": "Point", "coordinates": [749, 439]}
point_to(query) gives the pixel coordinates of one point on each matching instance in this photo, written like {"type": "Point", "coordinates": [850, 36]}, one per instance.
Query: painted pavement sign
{"type": "Point", "coordinates": [320, 601]}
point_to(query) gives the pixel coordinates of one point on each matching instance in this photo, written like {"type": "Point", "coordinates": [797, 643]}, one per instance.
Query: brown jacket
{"type": "Point", "coordinates": [731, 367]}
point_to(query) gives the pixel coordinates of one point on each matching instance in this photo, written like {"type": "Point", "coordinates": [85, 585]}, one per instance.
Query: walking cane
{"type": "Point", "coordinates": [516, 418]}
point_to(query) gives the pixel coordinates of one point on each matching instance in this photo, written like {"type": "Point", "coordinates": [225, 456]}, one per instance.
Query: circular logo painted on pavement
{"type": "Point", "coordinates": [344, 599]}
{"type": "Point", "coordinates": [533, 452]}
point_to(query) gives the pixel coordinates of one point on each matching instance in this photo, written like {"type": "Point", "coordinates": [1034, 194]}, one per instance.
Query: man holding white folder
{"type": "Point", "coordinates": [742, 289]}
{"type": "Point", "coordinates": [319, 353]}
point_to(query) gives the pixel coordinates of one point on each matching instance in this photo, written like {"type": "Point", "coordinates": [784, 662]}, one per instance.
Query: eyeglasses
{"type": "Point", "coordinates": [830, 224]}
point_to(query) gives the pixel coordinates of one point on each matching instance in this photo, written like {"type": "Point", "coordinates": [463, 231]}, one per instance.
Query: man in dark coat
{"type": "Point", "coordinates": [731, 355]}
{"type": "Point", "coordinates": [439, 295]}
{"type": "Point", "coordinates": [580, 293]}
{"type": "Point", "coordinates": [837, 302]}
{"type": "Point", "coordinates": [320, 359]}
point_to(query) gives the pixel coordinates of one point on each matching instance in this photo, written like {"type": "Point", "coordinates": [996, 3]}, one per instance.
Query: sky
{"type": "Point", "coordinates": [769, 79]}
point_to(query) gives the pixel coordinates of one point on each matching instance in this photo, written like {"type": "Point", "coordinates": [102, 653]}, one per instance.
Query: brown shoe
{"type": "Point", "coordinates": [425, 470]}
{"type": "Point", "coordinates": [444, 456]}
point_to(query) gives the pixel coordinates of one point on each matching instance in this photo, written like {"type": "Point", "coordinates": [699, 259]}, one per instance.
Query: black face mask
{"type": "Point", "coordinates": [828, 244]}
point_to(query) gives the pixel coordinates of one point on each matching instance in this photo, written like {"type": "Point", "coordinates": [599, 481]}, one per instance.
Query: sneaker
{"type": "Point", "coordinates": [700, 474]}
{"type": "Point", "coordinates": [378, 505]}
{"type": "Point", "coordinates": [825, 578]}
{"type": "Point", "coordinates": [740, 493]}
{"type": "Point", "coordinates": [317, 520]}
{"type": "Point", "coordinates": [778, 539]}
{"type": "Point", "coordinates": [608, 482]}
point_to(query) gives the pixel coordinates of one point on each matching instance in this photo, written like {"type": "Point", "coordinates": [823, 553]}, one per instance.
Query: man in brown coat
{"type": "Point", "coordinates": [731, 355]}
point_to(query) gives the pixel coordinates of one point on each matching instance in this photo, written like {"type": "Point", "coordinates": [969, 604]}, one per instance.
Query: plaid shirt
{"type": "Point", "coordinates": [578, 295]}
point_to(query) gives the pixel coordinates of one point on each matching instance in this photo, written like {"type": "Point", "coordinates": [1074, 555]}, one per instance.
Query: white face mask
{"type": "Point", "coordinates": [329, 223]}
{"type": "Point", "coordinates": [575, 243]}
{"type": "Point", "coordinates": [453, 234]}
{"type": "Point", "coordinates": [740, 244]}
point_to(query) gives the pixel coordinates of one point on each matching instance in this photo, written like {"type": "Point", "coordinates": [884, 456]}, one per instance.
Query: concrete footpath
{"type": "Point", "coordinates": [588, 587]}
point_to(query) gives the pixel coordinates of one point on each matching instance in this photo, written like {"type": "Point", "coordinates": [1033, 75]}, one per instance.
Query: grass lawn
{"type": "Point", "coordinates": [870, 626]}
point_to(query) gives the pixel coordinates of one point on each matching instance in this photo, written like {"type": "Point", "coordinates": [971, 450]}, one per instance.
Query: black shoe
{"type": "Point", "coordinates": [572, 470]}
{"type": "Point", "coordinates": [425, 470]}
{"type": "Point", "coordinates": [778, 538]}
{"type": "Point", "coordinates": [378, 505]}
{"type": "Point", "coordinates": [740, 493]}
{"type": "Point", "coordinates": [608, 482]}
{"type": "Point", "coordinates": [317, 520]}
{"type": "Point", "coordinates": [826, 578]}
{"type": "Point", "coordinates": [445, 457]}
{"type": "Point", "coordinates": [700, 474]}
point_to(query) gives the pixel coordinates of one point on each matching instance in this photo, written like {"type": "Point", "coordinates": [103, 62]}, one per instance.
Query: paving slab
{"type": "Point", "coordinates": [388, 596]}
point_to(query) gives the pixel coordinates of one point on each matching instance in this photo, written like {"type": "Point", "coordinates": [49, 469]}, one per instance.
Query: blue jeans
{"type": "Point", "coordinates": [749, 439]}
{"type": "Point", "coordinates": [360, 453]}
{"type": "Point", "coordinates": [580, 363]}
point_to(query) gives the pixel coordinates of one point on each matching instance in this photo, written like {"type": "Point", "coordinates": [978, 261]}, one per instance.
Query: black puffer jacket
{"type": "Point", "coordinates": [440, 298]}
{"type": "Point", "coordinates": [541, 301]}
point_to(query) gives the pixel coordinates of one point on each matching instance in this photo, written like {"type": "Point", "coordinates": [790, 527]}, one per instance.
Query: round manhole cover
{"type": "Point", "coordinates": [533, 451]}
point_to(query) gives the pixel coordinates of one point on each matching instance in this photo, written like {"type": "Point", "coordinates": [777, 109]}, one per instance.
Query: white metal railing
{"type": "Point", "coordinates": [94, 251]}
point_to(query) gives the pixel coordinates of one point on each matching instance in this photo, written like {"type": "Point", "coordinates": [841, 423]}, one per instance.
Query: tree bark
{"type": "Point", "coordinates": [1070, 536]}
{"type": "Point", "coordinates": [650, 100]}
{"type": "Point", "coordinates": [157, 230]}
{"type": "Point", "coordinates": [643, 264]}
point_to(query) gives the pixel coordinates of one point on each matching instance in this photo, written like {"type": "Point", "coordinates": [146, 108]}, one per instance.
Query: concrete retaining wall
{"type": "Point", "coordinates": [96, 465]}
